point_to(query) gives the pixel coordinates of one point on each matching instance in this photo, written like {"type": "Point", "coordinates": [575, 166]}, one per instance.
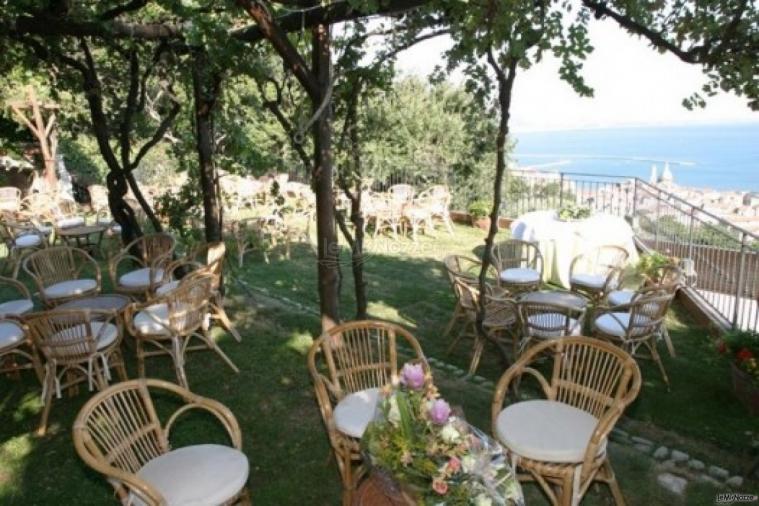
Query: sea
{"type": "Point", "coordinates": [717, 156]}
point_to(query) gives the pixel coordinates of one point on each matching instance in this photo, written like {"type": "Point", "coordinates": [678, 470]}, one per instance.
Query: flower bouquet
{"type": "Point", "coordinates": [742, 348]}
{"type": "Point", "coordinates": [572, 212]}
{"type": "Point", "coordinates": [436, 457]}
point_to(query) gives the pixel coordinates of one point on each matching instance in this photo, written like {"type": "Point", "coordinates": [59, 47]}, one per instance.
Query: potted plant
{"type": "Point", "coordinates": [648, 267]}
{"type": "Point", "coordinates": [741, 347]}
{"type": "Point", "coordinates": [478, 212]}
{"type": "Point", "coordinates": [571, 212]}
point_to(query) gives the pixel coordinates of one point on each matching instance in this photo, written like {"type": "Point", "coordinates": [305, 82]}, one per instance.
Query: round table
{"type": "Point", "coordinates": [79, 236]}
{"type": "Point", "coordinates": [561, 241]}
{"type": "Point", "coordinates": [106, 302]}
{"type": "Point", "coordinates": [560, 298]}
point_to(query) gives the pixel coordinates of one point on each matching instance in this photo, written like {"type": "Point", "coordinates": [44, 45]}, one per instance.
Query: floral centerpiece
{"type": "Point", "coordinates": [571, 212]}
{"type": "Point", "coordinates": [742, 348]}
{"type": "Point", "coordinates": [436, 456]}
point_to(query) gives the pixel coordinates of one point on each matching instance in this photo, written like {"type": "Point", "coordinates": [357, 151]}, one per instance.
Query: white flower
{"type": "Point", "coordinates": [483, 500]}
{"type": "Point", "coordinates": [467, 463]}
{"type": "Point", "coordinates": [393, 414]}
{"type": "Point", "coordinates": [450, 434]}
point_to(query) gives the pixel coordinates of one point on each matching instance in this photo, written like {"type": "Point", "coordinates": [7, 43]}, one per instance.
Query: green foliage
{"type": "Point", "coordinates": [480, 208]}
{"type": "Point", "coordinates": [571, 212]}
{"type": "Point", "coordinates": [742, 348]}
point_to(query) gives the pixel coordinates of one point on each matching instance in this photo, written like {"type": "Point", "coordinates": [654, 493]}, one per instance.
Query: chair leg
{"type": "Point", "coordinates": [140, 357]}
{"type": "Point", "coordinates": [668, 341]}
{"type": "Point", "coordinates": [657, 358]}
{"type": "Point", "coordinates": [49, 390]}
{"type": "Point", "coordinates": [479, 347]}
{"type": "Point", "coordinates": [456, 339]}
{"type": "Point", "coordinates": [212, 345]}
{"type": "Point", "coordinates": [226, 324]}
{"type": "Point", "coordinates": [616, 492]}
{"type": "Point", "coordinates": [177, 354]}
{"type": "Point", "coordinates": [453, 320]}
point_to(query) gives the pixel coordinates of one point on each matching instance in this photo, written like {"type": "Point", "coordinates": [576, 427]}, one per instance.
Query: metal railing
{"type": "Point", "coordinates": [724, 256]}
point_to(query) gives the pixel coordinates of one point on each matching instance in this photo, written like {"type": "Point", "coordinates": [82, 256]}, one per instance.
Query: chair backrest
{"type": "Point", "coordinates": [64, 335]}
{"type": "Point", "coordinates": [362, 354]}
{"type": "Point", "coordinates": [669, 277]}
{"type": "Point", "coordinates": [648, 309]}
{"type": "Point", "coordinates": [515, 253]}
{"type": "Point", "coordinates": [467, 292]}
{"type": "Point", "coordinates": [461, 265]}
{"type": "Point", "coordinates": [152, 247]}
{"type": "Point", "coordinates": [601, 260]}
{"type": "Point", "coordinates": [58, 263]}
{"type": "Point", "coordinates": [188, 303]}
{"type": "Point", "coordinates": [542, 319]}
{"type": "Point", "coordinates": [402, 193]}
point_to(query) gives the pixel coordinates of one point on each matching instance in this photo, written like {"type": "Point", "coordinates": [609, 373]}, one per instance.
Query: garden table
{"type": "Point", "coordinates": [81, 237]}
{"type": "Point", "coordinates": [558, 297]}
{"type": "Point", "coordinates": [561, 241]}
{"type": "Point", "coordinates": [106, 302]}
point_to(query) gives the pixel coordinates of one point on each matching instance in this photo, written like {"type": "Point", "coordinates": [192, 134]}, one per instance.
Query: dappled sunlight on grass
{"type": "Point", "coordinates": [300, 342]}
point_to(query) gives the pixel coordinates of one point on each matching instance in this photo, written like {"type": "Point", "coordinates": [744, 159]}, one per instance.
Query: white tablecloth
{"type": "Point", "coordinates": [561, 241]}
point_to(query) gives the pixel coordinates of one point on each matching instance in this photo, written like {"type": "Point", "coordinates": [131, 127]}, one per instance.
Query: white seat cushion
{"type": "Point", "coordinates": [198, 475]}
{"type": "Point", "coordinates": [10, 334]}
{"type": "Point", "coordinates": [28, 241]}
{"type": "Point", "coordinates": [153, 320]}
{"type": "Point", "coordinates": [70, 288]}
{"type": "Point", "coordinates": [354, 412]}
{"type": "Point", "coordinates": [545, 319]}
{"type": "Point", "coordinates": [616, 324]}
{"type": "Point", "coordinates": [620, 297]}
{"type": "Point", "coordinates": [15, 307]}
{"type": "Point", "coordinates": [588, 280]}
{"type": "Point", "coordinates": [44, 229]}
{"type": "Point", "coordinates": [106, 336]}
{"type": "Point", "coordinates": [520, 275]}
{"type": "Point", "coordinates": [167, 287]}
{"type": "Point", "coordinates": [74, 221]}
{"type": "Point", "coordinates": [547, 431]}
{"type": "Point", "coordinates": [140, 278]}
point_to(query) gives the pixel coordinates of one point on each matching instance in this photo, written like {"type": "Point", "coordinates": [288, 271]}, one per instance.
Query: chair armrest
{"type": "Point", "coordinates": [514, 373]}
{"type": "Point", "coordinates": [222, 413]}
{"type": "Point", "coordinates": [18, 285]}
{"type": "Point", "coordinates": [115, 262]}
{"type": "Point", "coordinates": [88, 260]}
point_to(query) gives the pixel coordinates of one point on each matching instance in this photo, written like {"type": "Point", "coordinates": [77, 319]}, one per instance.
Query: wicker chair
{"type": "Point", "coordinates": [262, 233]}
{"type": "Point", "coordinates": [58, 273]}
{"type": "Point", "coordinates": [119, 434]}
{"type": "Point", "coordinates": [168, 323]}
{"type": "Point", "coordinates": [560, 442]}
{"type": "Point", "coordinates": [204, 259]}
{"type": "Point", "coordinates": [668, 278]}
{"type": "Point", "coordinates": [10, 199]}
{"type": "Point", "coordinates": [16, 349]}
{"type": "Point", "coordinates": [151, 253]}
{"type": "Point", "coordinates": [18, 306]}
{"type": "Point", "coordinates": [382, 214]}
{"type": "Point", "coordinates": [520, 265]}
{"type": "Point", "coordinates": [438, 201]}
{"type": "Point", "coordinates": [401, 195]}
{"type": "Point", "coordinates": [469, 269]}
{"type": "Point", "coordinates": [417, 216]}
{"type": "Point", "coordinates": [597, 272]}
{"type": "Point", "coordinates": [349, 364]}
{"type": "Point", "coordinates": [78, 346]}
{"type": "Point", "coordinates": [637, 324]}
{"type": "Point", "coordinates": [21, 239]}
{"type": "Point", "coordinates": [545, 321]}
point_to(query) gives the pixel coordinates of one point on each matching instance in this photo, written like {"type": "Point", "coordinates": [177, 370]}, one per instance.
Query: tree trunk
{"type": "Point", "coordinates": [327, 247]}
{"type": "Point", "coordinates": [205, 87]}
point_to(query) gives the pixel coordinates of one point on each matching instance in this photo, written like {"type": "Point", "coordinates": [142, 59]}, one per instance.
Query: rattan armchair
{"type": "Point", "coordinates": [560, 442]}
{"type": "Point", "coordinates": [204, 259]}
{"type": "Point", "coordinates": [349, 364]}
{"type": "Point", "coordinates": [151, 254]}
{"type": "Point", "coordinates": [166, 324]}
{"type": "Point", "coordinates": [78, 346]}
{"type": "Point", "coordinates": [546, 321]}
{"type": "Point", "coordinates": [119, 434]}
{"type": "Point", "coordinates": [459, 266]}
{"type": "Point", "coordinates": [21, 239]}
{"type": "Point", "coordinates": [636, 325]}
{"type": "Point", "coordinates": [438, 201]}
{"type": "Point", "coordinates": [62, 273]}
{"type": "Point", "coordinates": [597, 272]}
{"type": "Point", "coordinates": [262, 233]}
{"type": "Point", "coordinates": [519, 264]}
{"type": "Point", "coordinates": [21, 304]}
{"type": "Point", "coordinates": [17, 352]}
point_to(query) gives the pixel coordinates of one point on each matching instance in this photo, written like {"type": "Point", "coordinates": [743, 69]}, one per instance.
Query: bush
{"type": "Point", "coordinates": [742, 348]}
{"type": "Point", "coordinates": [479, 209]}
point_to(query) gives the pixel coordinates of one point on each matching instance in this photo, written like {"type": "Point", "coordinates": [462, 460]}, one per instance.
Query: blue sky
{"type": "Point", "coordinates": [634, 86]}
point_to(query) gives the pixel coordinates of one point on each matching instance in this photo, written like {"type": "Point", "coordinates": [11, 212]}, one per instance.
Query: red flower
{"type": "Point", "coordinates": [440, 486]}
{"type": "Point", "coordinates": [744, 355]}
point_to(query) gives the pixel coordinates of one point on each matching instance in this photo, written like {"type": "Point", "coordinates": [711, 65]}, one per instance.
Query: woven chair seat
{"type": "Point", "coordinates": [198, 475]}
{"type": "Point", "coordinates": [10, 334]}
{"type": "Point", "coordinates": [140, 278]}
{"type": "Point", "coordinates": [167, 287]}
{"type": "Point", "coordinates": [593, 281]}
{"type": "Point", "coordinates": [617, 323]}
{"type": "Point", "coordinates": [547, 431]}
{"type": "Point", "coordinates": [620, 297]}
{"type": "Point", "coordinates": [15, 307]}
{"type": "Point", "coordinates": [354, 412]}
{"type": "Point", "coordinates": [543, 319]}
{"type": "Point", "coordinates": [154, 320]}
{"type": "Point", "coordinates": [106, 336]}
{"type": "Point", "coordinates": [74, 221]}
{"type": "Point", "coordinates": [70, 288]}
{"type": "Point", "coordinates": [28, 241]}
{"type": "Point", "coordinates": [520, 275]}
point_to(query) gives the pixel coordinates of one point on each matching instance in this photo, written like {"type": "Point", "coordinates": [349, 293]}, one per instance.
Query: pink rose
{"type": "Point", "coordinates": [412, 375]}
{"type": "Point", "coordinates": [439, 412]}
{"type": "Point", "coordinates": [453, 465]}
{"type": "Point", "coordinates": [439, 486]}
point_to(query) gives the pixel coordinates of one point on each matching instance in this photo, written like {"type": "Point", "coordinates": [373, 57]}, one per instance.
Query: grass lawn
{"type": "Point", "coordinates": [274, 306]}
